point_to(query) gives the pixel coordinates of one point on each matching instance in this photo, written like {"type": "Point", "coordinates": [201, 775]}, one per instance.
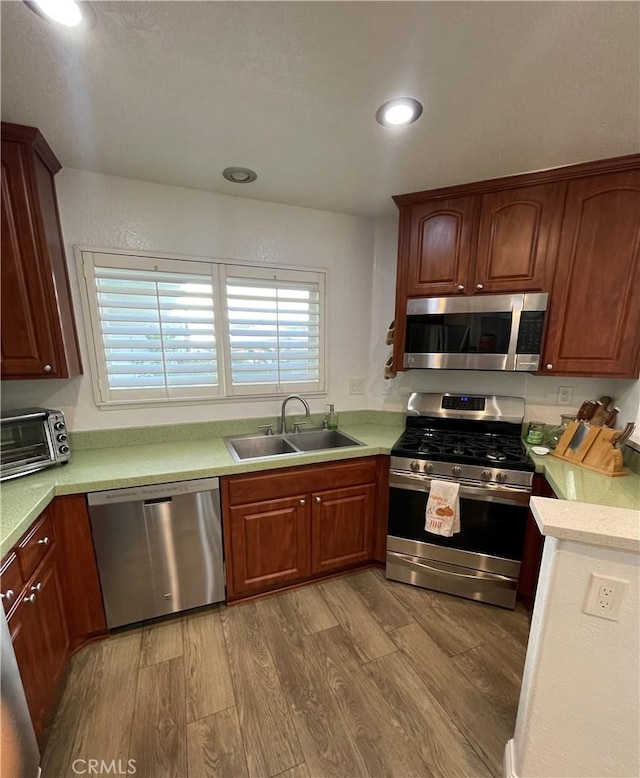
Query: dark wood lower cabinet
{"type": "Point", "coordinates": [270, 543]}
{"type": "Point", "coordinates": [55, 603]}
{"type": "Point", "coordinates": [533, 548]}
{"type": "Point", "coordinates": [342, 527]}
{"type": "Point", "coordinates": [285, 526]}
{"type": "Point", "coordinates": [40, 638]}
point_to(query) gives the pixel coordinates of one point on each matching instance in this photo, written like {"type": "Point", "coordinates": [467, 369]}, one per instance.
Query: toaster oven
{"type": "Point", "coordinates": [32, 439]}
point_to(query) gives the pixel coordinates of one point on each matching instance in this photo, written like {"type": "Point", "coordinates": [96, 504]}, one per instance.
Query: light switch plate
{"type": "Point", "coordinates": [356, 386]}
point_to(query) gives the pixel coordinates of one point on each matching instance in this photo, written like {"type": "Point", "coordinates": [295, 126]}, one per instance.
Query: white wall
{"type": "Point", "coordinates": [110, 212]}
{"type": "Point", "coordinates": [579, 710]}
{"type": "Point", "coordinates": [540, 392]}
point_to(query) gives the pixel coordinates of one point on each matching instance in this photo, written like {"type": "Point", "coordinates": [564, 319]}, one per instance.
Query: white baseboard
{"type": "Point", "coordinates": [509, 767]}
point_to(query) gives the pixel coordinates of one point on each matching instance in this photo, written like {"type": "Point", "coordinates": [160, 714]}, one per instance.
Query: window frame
{"type": "Point", "coordinates": [218, 270]}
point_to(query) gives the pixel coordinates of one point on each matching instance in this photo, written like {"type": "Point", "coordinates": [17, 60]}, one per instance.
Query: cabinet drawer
{"type": "Point", "coordinates": [298, 480]}
{"type": "Point", "coordinates": [10, 582]}
{"type": "Point", "coordinates": [35, 545]}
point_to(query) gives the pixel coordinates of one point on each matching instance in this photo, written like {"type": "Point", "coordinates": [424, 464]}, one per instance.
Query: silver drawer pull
{"type": "Point", "coordinates": [44, 541]}
{"type": "Point", "coordinates": [318, 499]}
{"type": "Point", "coordinates": [303, 502]}
{"type": "Point", "coordinates": [37, 587]}
{"type": "Point", "coordinates": [30, 598]}
{"type": "Point", "coordinates": [47, 368]}
{"type": "Point", "coordinates": [8, 595]}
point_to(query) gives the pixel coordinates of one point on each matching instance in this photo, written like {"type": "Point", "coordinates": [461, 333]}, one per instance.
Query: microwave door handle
{"type": "Point", "coordinates": [516, 311]}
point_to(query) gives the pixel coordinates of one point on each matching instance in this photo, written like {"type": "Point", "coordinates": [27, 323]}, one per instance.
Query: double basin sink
{"type": "Point", "coordinates": [267, 446]}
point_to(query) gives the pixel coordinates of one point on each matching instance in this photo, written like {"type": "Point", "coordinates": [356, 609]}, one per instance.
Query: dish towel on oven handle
{"type": "Point", "coordinates": [442, 516]}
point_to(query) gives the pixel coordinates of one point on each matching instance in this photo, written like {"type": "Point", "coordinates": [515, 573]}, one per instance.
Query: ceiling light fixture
{"type": "Point", "coordinates": [65, 12]}
{"type": "Point", "coordinates": [239, 175]}
{"type": "Point", "coordinates": [399, 112]}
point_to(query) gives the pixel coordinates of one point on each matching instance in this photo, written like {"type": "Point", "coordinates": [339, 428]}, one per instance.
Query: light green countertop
{"type": "Point", "coordinates": [96, 469]}
{"type": "Point", "coordinates": [91, 470]}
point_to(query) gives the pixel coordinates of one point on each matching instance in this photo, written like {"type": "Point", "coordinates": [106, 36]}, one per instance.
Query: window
{"type": "Point", "coordinates": [167, 330]}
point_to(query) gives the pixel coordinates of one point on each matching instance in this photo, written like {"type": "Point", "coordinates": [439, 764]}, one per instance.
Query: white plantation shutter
{"type": "Point", "coordinates": [168, 330]}
{"type": "Point", "coordinates": [156, 329]}
{"type": "Point", "coordinates": [274, 321]}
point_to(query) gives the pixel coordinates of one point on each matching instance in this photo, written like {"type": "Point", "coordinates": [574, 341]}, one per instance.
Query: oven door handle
{"type": "Point", "coordinates": [508, 495]}
{"type": "Point", "coordinates": [412, 561]}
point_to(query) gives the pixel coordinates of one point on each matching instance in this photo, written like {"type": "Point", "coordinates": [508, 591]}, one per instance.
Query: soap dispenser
{"type": "Point", "coordinates": [332, 417]}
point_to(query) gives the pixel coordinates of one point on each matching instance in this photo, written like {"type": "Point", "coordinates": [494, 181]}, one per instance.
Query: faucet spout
{"type": "Point", "coordinates": [283, 411]}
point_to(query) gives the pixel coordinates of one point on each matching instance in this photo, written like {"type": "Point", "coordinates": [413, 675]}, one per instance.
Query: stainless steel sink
{"type": "Point", "coordinates": [269, 446]}
{"type": "Point", "coordinates": [318, 440]}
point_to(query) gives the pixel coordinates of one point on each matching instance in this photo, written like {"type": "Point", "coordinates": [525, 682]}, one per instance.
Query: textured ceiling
{"type": "Point", "coordinates": [173, 92]}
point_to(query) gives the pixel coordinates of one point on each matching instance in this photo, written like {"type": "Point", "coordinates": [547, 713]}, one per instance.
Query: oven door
{"type": "Point", "coordinates": [482, 561]}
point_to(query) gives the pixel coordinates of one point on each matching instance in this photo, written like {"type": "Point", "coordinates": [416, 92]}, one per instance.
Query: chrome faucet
{"type": "Point", "coordinates": [283, 418]}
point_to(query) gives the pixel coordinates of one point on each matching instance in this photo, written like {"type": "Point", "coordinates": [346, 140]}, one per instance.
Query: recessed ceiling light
{"type": "Point", "coordinates": [399, 111]}
{"type": "Point", "coordinates": [65, 12]}
{"type": "Point", "coordinates": [239, 175]}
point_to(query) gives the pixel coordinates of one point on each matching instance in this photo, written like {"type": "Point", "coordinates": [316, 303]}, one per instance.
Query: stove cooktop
{"type": "Point", "coordinates": [464, 448]}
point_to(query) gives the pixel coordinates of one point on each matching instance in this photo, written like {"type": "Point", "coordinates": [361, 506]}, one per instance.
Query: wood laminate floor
{"type": "Point", "coordinates": [357, 676]}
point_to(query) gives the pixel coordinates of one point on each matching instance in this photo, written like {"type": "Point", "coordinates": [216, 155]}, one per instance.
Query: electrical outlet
{"type": "Point", "coordinates": [605, 597]}
{"type": "Point", "coordinates": [356, 386]}
{"type": "Point", "coordinates": [565, 393]}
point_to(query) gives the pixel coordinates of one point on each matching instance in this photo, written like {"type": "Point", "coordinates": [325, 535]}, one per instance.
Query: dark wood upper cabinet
{"type": "Point", "coordinates": [437, 246]}
{"type": "Point", "coordinates": [573, 232]}
{"type": "Point", "coordinates": [38, 332]}
{"type": "Point", "coordinates": [594, 314]}
{"type": "Point", "coordinates": [518, 239]}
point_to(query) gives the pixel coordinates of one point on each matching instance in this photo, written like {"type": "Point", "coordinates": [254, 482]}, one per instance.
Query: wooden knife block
{"type": "Point", "coordinates": [595, 451]}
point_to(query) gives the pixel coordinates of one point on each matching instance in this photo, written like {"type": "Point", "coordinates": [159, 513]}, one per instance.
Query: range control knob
{"type": "Point", "coordinates": [59, 425]}
{"type": "Point", "coordinates": [64, 449]}
{"type": "Point", "coordinates": [485, 475]}
{"type": "Point", "coordinates": [428, 468]}
{"type": "Point", "coordinates": [456, 470]}
{"type": "Point", "coordinates": [414, 466]}
{"type": "Point", "coordinates": [501, 477]}
{"type": "Point", "coordinates": [61, 438]}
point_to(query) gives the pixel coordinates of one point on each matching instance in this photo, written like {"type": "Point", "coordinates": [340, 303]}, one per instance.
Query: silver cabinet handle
{"type": "Point", "coordinates": [549, 366]}
{"type": "Point", "coordinates": [44, 541]}
{"type": "Point", "coordinates": [318, 499]}
{"type": "Point", "coordinates": [37, 587]}
{"type": "Point", "coordinates": [8, 595]}
{"type": "Point", "coordinates": [30, 598]}
{"type": "Point", "coordinates": [47, 368]}
{"type": "Point", "coordinates": [461, 287]}
{"type": "Point", "coordinates": [479, 286]}
{"type": "Point", "coordinates": [303, 502]}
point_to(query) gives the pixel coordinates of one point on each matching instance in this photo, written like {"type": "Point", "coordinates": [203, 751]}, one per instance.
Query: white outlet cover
{"type": "Point", "coordinates": [593, 605]}
{"type": "Point", "coordinates": [356, 386]}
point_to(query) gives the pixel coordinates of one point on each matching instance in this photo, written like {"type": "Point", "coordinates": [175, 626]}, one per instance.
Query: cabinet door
{"type": "Point", "coordinates": [53, 638]}
{"type": "Point", "coordinates": [27, 341]}
{"type": "Point", "coordinates": [437, 250]}
{"type": "Point", "coordinates": [269, 543]}
{"type": "Point", "coordinates": [24, 627]}
{"type": "Point", "coordinates": [518, 239]}
{"type": "Point", "coordinates": [342, 527]}
{"type": "Point", "coordinates": [594, 315]}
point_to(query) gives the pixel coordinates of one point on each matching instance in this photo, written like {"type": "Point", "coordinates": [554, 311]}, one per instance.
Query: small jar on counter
{"type": "Point", "coordinates": [555, 434]}
{"type": "Point", "coordinates": [535, 432]}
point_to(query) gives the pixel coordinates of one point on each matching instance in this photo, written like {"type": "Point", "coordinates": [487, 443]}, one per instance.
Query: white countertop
{"type": "Point", "coordinates": [587, 523]}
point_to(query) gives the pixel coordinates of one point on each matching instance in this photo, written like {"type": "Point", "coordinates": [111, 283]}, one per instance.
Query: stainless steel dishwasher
{"type": "Point", "coordinates": [159, 548]}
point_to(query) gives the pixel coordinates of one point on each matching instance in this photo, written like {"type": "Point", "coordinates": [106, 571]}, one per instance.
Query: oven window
{"type": "Point", "coordinates": [24, 441]}
{"type": "Point", "coordinates": [485, 527]}
{"type": "Point", "coordinates": [459, 333]}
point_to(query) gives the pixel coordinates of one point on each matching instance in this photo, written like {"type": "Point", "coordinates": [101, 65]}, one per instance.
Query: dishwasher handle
{"type": "Point", "coordinates": [155, 493]}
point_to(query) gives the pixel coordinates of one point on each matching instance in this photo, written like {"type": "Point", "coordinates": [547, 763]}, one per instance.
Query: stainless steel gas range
{"type": "Point", "coordinates": [476, 441]}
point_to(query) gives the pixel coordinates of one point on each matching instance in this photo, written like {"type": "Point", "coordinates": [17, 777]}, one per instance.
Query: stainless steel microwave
{"type": "Point", "coordinates": [32, 439]}
{"type": "Point", "coordinates": [488, 332]}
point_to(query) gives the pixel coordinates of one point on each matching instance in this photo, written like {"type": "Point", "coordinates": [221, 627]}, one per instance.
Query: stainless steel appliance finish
{"type": "Point", "coordinates": [15, 720]}
{"type": "Point", "coordinates": [488, 332]}
{"type": "Point", "coordinates": [475, 441]}
{"type": "Point", "coordinates": [159, 549]}
{"type": "Point", "coordinates": [32, 439]}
